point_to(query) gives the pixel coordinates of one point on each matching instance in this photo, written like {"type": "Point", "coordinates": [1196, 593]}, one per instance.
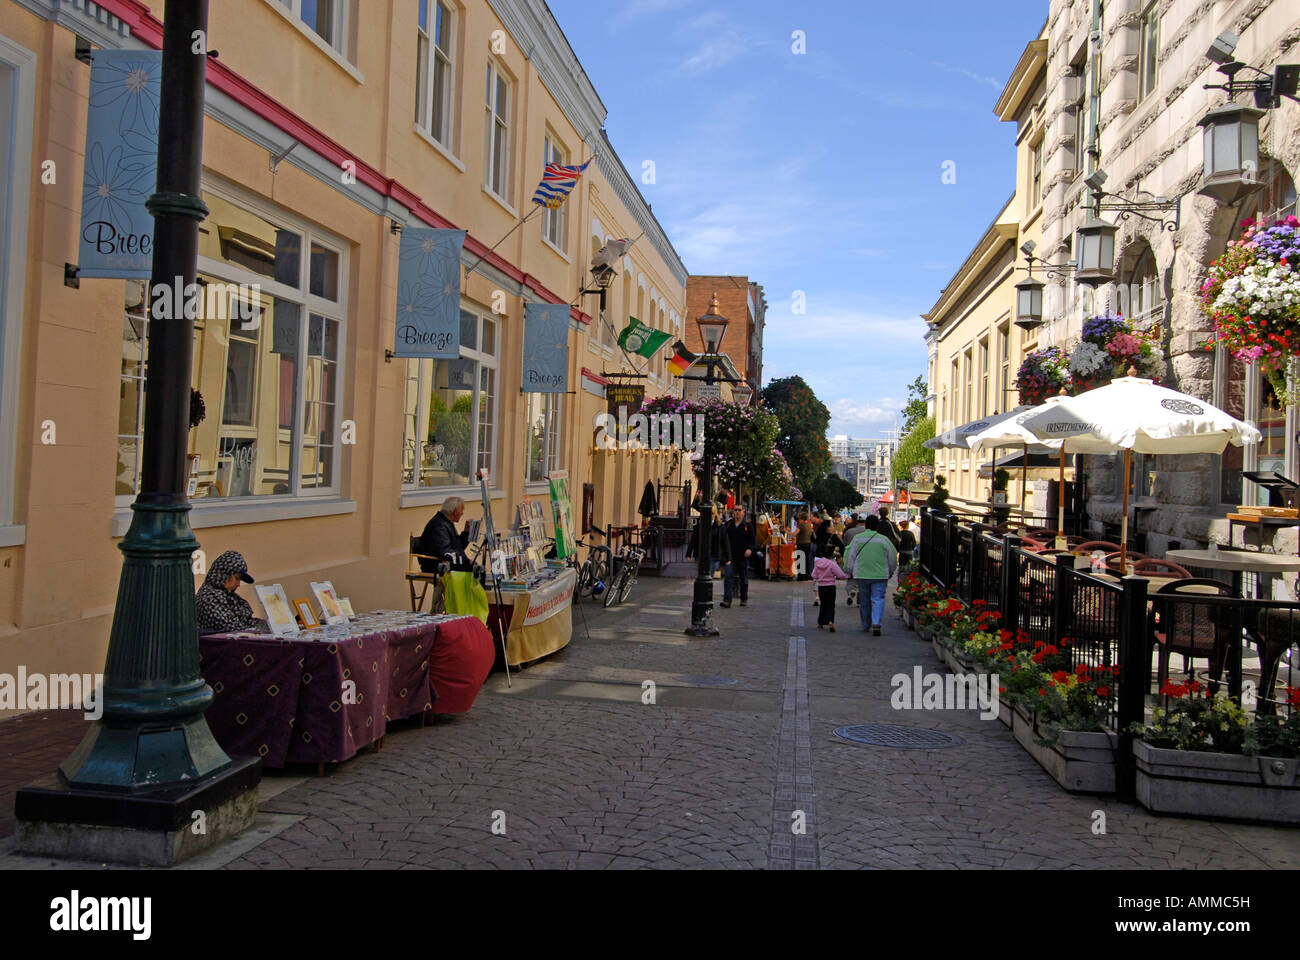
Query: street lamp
{"type": "Point", "coordinates": [713, 327]}
{"type": "Point", "coordinates": [1231, 152]}
{"type": "Point", "coordinates": [1029, 303]}
{"type": "Point", "coordinates": [1096, 252]}
{"type": "Point", "coordinates": [742, 393]}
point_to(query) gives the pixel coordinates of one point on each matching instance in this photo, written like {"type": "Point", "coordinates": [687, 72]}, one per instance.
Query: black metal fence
{"type": "Point", "coordinates": [1102, 622]}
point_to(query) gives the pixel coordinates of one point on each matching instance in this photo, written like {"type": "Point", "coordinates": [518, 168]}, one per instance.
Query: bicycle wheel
{"type": "Point", "coordinates": [598, 574]}
{"type": "Point", "coordinates": [582, 589]}
{"type": "Point", "coordinates": [629, 578]}
{"type": "Point", "coordinates": [614, 584]}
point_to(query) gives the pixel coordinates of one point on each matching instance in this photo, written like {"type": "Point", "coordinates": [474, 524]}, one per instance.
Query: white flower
{"type": "Point", "coordinates": [1088, 359]}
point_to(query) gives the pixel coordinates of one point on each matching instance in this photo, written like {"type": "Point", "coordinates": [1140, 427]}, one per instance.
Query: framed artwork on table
{"type": "Point", "coordinates": [329, 602]}
{"type": "Point", "coordinates": [279, 615]}
{"type": "Point", "coordinates": [305, 613]}
{"type": "Point", "coordinates": [346, 606]}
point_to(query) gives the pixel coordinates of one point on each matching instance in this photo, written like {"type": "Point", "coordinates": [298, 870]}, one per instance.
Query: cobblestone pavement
{"type": "Point", "coordinates": [575, 770]}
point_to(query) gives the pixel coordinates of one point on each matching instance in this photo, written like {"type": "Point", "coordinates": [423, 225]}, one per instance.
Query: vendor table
{"type": "Point", "coordinates": [321, 695]}
{"type": "Point", "coordinates": [538, 621]}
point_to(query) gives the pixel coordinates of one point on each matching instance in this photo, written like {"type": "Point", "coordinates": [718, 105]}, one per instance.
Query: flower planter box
{"type": "Point", "coordinates": [909, 619]}
{"type": "Point", "coordinates": [1080, 761]}
{"type": "Point", "coordinates": [1220, 785]}
{"type": "Point", "coordinates": [1005, 713]}
{"type": "Point", "coordinates": [925, 632]}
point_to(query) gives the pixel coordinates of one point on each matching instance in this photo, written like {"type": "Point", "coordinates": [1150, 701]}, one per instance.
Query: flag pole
{"type": "Point", "coordinates": [491, 249]}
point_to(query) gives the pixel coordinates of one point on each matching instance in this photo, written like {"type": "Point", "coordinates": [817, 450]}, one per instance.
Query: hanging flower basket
{"type": "Point", "coordinates": [1108, 347]}
{"type": "Point", "coordinates": [1042, 375]}
{"type": "Point", "coordinates": [1252, 294]}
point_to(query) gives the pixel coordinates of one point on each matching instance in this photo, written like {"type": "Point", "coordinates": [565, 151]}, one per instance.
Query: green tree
{"type": "Point", "coordinates": [916, 408]}
{"type": "Point", "coordinates": [835, 493]}
{"type": "Point", "coordinates": [911, 451]}
{"type": "Point", "coordinates": [803, 419]}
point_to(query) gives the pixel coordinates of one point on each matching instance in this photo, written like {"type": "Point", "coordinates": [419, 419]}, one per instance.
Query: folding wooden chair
{"type": "Point", "coordinates": [415, 575]}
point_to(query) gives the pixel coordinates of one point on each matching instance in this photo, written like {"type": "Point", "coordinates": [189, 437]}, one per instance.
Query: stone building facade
{"type": "Point", "coordinates": [1125, 94]}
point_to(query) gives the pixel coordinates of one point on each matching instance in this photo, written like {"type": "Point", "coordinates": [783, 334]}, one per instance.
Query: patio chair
{"type": "Point", "coordinates": [415, 575]}
{"type": "Point", "coordinates": [1195, 630]}
{"type": "Point", "coordinates": [1030, 545]}
{"type": "Point", "coordinates": [1275, 631]}
{"type": "Point", "coordinates": [1041, 533]}
{"type": "Point", "coordinates": [1152, 566]}
{"type": "Point", "coordinates": [1090, 545]}
{"type": "Point", "coordinates": [1112, 560]}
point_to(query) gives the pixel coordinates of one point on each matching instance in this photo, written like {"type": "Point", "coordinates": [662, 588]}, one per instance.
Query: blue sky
{"type": "Point", "coordinates": [820, 172]}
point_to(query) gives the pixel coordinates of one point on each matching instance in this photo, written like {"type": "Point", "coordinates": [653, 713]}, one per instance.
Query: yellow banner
{"type": "Point", "coordinates": [542, 621]}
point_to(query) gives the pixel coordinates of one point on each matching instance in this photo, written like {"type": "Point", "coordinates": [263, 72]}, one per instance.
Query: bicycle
{"type": "Point", "coordinates": [627, 563]}
{"type": "Point", "coordinates": [593, 573]}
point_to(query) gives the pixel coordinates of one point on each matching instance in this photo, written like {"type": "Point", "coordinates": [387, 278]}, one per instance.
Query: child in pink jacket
{"type": "Point", "coordinates": [825, 572]}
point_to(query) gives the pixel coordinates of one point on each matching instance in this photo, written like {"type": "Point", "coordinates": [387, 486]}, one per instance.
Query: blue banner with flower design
{"type": "Point", "coordinates": [121, 164]}
{"type": "Point", "coordinates": [546, 348]}
{"type": "Point", "coordinates": [428, 293]}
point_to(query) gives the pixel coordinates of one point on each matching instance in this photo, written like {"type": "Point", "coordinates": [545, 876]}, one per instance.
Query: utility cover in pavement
{"type": "Point", "coordinates": [896, 735]}
{"type": "Point", "coordinates": [702, 680]}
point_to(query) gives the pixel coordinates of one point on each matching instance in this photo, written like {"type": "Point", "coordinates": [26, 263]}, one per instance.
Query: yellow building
{"type": "Point", "coordinates": [974, 343]}
{"type": "Point", "coordinates": [326, 132]}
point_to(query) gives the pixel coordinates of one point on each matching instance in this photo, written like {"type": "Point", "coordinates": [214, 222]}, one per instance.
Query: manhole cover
{"type": "Point", "coordinates": [702, 680]}
{"type": "Point", "coordinates": [896, 735]}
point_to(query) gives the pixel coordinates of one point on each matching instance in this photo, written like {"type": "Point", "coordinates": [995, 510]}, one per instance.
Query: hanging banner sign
{"type": "Point", "coordinates": [624, 397]}
{"type": "Point", "coordinates": [121, 164]}
{"type": "Point", "coordinates": [428, 293]}
{"type": "Point", "coordinates": [546, 348]}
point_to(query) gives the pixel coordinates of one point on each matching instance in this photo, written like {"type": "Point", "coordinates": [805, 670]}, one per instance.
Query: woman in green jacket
{"type": "Point", "coordinates": [872, 560]}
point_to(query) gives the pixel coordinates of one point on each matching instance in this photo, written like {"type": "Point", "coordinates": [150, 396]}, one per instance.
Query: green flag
{"type": "Point", "coordinates": [638, 338]}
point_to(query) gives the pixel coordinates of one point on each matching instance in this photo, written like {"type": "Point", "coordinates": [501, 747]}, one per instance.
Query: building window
{"type": "Point", "coordinates": [1270, 418]}
{"type": "Point", "coordinates": [434, 62]}
{"type": "Point", "coordinates": [967, 408]}
{"type": "Point", "coordinates": [1149, 52]}
{"type": "Point", "coordinates": [451, 410]}
{"type": "Point", "coordinates": [326, 18]}
{"type": "Point", "coordinates": [1035, 175]}
{"type": "Point", "coordinates": [984, 374]}
{"type": "Point", "coordinates": [553, 220]}
{"type": "Point", "coordinates": [1080, 70]}
{"type": "Point", "coordinates": [496, 169]}
{"type": "Point", "coordinates": [1143, 289]}
{"type": "Point", "coordinates": [1004, 349]}
{"type": "Point", "coordinates": [544, 454]}
{"type": "Point", "coordinates": [266, 360]}
{"type": "Point", "coordinates": [1277, 197]}
{"type": "Point", "coordinates": [1230, 397]}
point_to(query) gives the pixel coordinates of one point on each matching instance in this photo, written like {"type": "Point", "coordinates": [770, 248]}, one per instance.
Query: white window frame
{"type": "Point", "coordinates": [16, 167]}
{"type": "Point", "coordinates": [497, 168]}
{"type": "Point", "coordinates": [335, 311]}
{"type": "Point", "coordinates": [341, 39]}
{"type": "Point", "coordinates": [552, 436]}
{"type": "Point", "coordinates": [554, 221]}
{"type": "Point", "coordinates": [429, 54]}
{"type": "Point", "coordinates": [424, 390]}
{"type": "Point", "coordinates": [1148, 50]}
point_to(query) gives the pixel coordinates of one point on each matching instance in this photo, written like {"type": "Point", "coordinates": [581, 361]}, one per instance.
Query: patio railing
{"type": "Point", "coordinates": [1101, 622]}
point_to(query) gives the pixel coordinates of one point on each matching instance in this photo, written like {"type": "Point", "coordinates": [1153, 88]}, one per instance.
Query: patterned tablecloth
{"type": "Point", "coordinates": [322, 695]}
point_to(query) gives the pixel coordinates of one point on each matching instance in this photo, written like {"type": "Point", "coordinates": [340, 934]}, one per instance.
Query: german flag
{"type": "Point", "coordinates": [682, 358]}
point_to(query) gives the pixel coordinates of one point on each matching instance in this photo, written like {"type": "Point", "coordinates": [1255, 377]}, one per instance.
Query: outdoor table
{"type": "Point", "coordinates": [538, 621]}
{"type": "Point", "coordinates": [321, 695]}
{"type": "Point", "coordinates": [780, 561]}
{"type": "Point", "coordinates": [1237, 562]}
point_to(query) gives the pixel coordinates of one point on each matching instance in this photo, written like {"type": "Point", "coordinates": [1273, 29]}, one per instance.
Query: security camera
{"type": "Point", "coordinates": [1096, 180]}
{"type": "Point", "coordinates": [1028, 248]}
{"type": "Point", "coordinates": [1222, 49]}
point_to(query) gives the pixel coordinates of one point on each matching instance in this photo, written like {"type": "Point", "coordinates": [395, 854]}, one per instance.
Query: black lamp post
{"type": "Point", "coordinates": [151, 761]}
{"type": "Point", "coordinates": [713, 327]}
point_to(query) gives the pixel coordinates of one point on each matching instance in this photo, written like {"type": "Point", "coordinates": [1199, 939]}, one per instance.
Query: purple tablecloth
{"type": "Point", "coordinates": [301, 700]}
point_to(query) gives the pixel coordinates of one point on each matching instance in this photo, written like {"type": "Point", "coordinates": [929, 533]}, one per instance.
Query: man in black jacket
{"type": "Point", "coordinates": [740, 536]}
{"type": "Point", "coordinates": [441, 541]}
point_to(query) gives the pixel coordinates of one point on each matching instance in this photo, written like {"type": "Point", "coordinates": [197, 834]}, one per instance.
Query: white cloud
{"type": "Point", "coordinates": [717, 52]}
{"type": "Point", "coordinates": [993, 82]}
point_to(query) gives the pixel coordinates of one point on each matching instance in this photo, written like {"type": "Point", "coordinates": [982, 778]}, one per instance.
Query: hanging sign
{"type": "Point", "coordinates": [624, 397]}
{"type": "Point", "coordinates": [546, 348]}
{"type": "Point", "coordinates": [428, 293]}
{"type": "Point", "coordinates": [121, 164]}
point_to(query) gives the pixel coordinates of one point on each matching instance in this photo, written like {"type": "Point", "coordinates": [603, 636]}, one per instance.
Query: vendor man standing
{"type": "Point", "coordinates": [441, 541]}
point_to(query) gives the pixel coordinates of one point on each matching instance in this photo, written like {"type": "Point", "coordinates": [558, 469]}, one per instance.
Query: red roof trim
{"type": "Point", "coordinates": [149, 30]}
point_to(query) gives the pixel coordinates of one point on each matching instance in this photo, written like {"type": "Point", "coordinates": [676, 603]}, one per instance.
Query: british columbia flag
{"type": "Point", "coordinates": [557, 182]}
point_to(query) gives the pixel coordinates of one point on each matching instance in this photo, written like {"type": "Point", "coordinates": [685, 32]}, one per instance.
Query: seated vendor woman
{"type": "Point", "coordinates": [220, 609]}
{"type": "Point", "coordinates": [441, 541]}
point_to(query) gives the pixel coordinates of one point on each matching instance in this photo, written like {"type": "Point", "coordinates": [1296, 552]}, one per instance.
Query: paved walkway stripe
{"type": "Point", "coordinates": [794, 843]}
{"type": "Point", "coordinates": [796, 610]}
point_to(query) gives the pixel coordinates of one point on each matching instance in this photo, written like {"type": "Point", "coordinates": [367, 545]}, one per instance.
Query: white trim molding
{"type": "Point", "coordinates": [229, 514]}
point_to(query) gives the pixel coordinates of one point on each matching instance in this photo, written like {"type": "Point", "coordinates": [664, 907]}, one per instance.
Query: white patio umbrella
{"type": "Point", "coordinates": [1131, 413]}
{"type": "Point", "coordinates": [958, 437]}
{"type": "Point", "coordinates": [1011, 430]}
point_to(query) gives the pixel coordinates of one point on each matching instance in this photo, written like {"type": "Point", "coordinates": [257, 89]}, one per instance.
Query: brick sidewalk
{"type": "Point", "coordinates": [31, 747]}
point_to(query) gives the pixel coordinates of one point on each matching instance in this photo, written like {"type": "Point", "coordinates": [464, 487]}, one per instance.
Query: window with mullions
{"type": "Point", "coordinates": [1144, 290]}
{"type": "Point", "coordinates": [544, 455]}
{"type": "Point", "coordinates": [326, 18]}
{"type": "Point", "coordinates": [1149, 50]}
{"type": "Point", "coordinates": [1080, 69]}
{"type": "Point", "coordinates": [553, 220]}
{"type": "Point", "coordinates": [435, 60]}
{"type": "Point", "coordinates": [267, 341]}
{"type": "Point", "coordinates": [450, 415]}
{"type": "Point", "coordinates": [496, 166]}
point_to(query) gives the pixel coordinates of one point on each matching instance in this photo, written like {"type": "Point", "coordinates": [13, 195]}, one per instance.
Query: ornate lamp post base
{"type": "Point", "coordinates": [702, 610]}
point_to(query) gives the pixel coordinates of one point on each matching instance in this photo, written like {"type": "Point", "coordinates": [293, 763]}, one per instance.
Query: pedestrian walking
{"type": "Point", "coordinates": [803, 544]}
{"type": "Point", "coordinates": [872, 560]}
{"type": "Point", "coordinates": [886, 527]}
{"type": "Point", "coordinates": [906, 543]}
{"type": "Point", "coordinates": [825, 572]}
{"type": "Point", "coordinates": [741, 543]}
{"type": "Point", "coordinates": [825, 543]}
